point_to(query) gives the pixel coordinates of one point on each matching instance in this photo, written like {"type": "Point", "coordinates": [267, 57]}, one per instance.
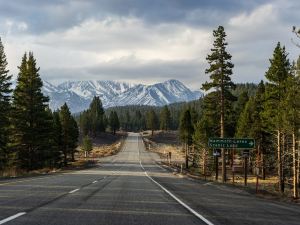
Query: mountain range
{"type": "Point", "coordinates": [79, 94]}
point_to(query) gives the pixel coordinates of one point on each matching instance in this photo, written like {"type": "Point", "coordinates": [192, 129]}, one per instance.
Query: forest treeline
{"type": "Point", "coordinates": [31, 135]}
{"type": "Point", "coordinates": [142, 117]}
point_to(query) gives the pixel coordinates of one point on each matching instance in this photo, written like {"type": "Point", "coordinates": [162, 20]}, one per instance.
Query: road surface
{"type": "Point", "coordinates": [130, 188]}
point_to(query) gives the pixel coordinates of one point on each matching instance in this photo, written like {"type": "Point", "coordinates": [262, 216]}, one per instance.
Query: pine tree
{"type": "Point", "coordinates": [114, 121]}
{"type": "Point", "coordinates": [74, 134]}
{"type": "Point", "coordinates": [296, 31]}
{"type": "Point", "coordinates": [165, 119]}
{"type": "Point", "coordinates": [292, 118]}
{"type": "Point", "coordinates": [151, 121]}
{"type": "Point", "coordinates": [5, 108]}
{"type": "Point", "coordinates": [92, 121]}
{"type": "Point", "coordinates": [186, 131]}
{"type": "Point", "coordinates": [87, 145]}
{"type": "Point", "coordinates": [57, 141]}
{"type": "Point", "coordinates": [276, 88]}
{"type": "Point", "coordinates": [69, 133]}
{"type": "Point", "coordinates": [96, 115]}
{"type": "Point", "coordinates": [220, 71]}
{"type": "Point", "coordinates": [243, 98]}
{"type": "Point", "coordinates": [138, 121]}
{"type": "Point", "coordinates": [127, 121]}
{"type": "Point", "coordinates": [85, 123]}
{"type": "Point", "coordinates": [30, 119]}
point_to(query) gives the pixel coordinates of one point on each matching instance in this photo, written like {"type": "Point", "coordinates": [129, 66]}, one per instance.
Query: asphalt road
{"type": "Point", "coordinates": [130, 188]}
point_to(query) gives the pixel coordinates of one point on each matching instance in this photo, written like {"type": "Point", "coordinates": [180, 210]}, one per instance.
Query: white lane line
{"type": "Point", "coordinates": [95, 181]}
{"type": "Point", "coordinates": [178, 200]}
{"type": "Point", "coordinates": [12, 217]}
{"type": "Point", "coordinates": [74, 191]}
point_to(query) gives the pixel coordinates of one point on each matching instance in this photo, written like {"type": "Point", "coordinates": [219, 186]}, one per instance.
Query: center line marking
{"type": "Point", "coordinates": [74, 191]}
{"type": "Point", "coordinates": [12, 217]}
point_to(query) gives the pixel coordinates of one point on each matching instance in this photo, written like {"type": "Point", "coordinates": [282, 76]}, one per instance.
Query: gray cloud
{"type": "Point", "coordinates": [133, 71]}
{"type": "Point", "coordinates": [144, 41]}
{"type": "Point", "coordinates": [51, 15]}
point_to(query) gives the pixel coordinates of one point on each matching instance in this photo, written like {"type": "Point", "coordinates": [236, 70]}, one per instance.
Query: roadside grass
{"type": "Point", "coordinates": [103, 146]}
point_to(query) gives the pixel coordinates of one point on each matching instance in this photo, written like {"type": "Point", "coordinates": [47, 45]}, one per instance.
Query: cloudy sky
{"type": "Point", "coordinates": [144, 41]}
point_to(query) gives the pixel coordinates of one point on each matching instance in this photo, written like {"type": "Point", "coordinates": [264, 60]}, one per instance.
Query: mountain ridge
{"type": "Point", "coordinates": [79, 94]}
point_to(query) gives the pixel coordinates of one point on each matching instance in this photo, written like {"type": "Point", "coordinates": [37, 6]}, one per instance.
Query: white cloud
{"type": "Point", "coordinates": [115, 42]}
{"type": "Point", "coordinates": [261, 16]}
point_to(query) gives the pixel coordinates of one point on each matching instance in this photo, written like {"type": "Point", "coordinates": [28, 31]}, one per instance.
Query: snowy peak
{"type": "Point", "coordinates": [79, 94]}
{"type": "Point", "coordinates": [48, 87]}
{"type": "Point", "coordinates": [89, 89]}
{"type": "Point", "coordinates": [157, 94]}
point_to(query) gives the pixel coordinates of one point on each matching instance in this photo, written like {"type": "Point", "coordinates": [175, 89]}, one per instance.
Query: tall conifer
{"type": "Point", "coordinates": [30, 119]}
{"type": "Point", "coordinates": [277, 75]}
{"type": "Point", "coordinates": [220, 71]}
{"type": "Point", "coordinates": [5, 108]}
{"type": "Point", "coordinates": [69, 133]}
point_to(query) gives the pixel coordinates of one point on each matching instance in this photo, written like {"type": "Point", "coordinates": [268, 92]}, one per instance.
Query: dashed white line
{"type": "Point", "coordinates": [12, 217]}
{"type": "Point", "coordinates": [74, 191]}
{"type": "Point", "coordinates": [199, 216]}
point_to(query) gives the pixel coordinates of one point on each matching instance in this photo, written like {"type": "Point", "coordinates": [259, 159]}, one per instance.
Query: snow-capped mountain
{"type": "Point", "coordinates": [79, 94]}
{"type": "Point", "coordinates": [106, 90]}
{"type": "Point", "coordinates": [158, 94]}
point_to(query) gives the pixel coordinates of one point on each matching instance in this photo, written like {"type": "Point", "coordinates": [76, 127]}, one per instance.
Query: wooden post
{"type": "Point", "coordinates": [232, 166]}
{"type": "Point", "coordinates": [232, 169]}
{"type": "Point", "coordinates": [295, 174]}
{"type": "Point", "coordinates": [245, 170]}
{"type": "Point", "coordinates": [257, 168]}
{"type": "Point", "coordinates": [204, 164]}
{"type": "Point", "coordinates": [256, 185]}
{"type": "Point", "coordinates": [217, 167]}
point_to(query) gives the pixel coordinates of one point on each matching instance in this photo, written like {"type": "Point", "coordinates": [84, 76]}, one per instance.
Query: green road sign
{"type": "Point", "coordinates": [243, 143]}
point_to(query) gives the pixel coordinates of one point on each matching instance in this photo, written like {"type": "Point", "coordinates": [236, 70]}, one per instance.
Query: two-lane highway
{"type": "Point", "coordinates": [130, 188]}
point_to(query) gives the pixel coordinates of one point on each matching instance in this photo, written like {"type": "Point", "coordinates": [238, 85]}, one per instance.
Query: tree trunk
{"type": "Point", "coordinates": [222, 135]}
{"type": "Point", "coordinates": [263, 169]}
{"type": "Point", "coordinates": [186, 156]}
{"type": "Point", "coordinates": [295, 174]}
{"type": "Point", "coordinates": [73, 156]}
{"type": "Point", "coordinates": [65, 158]}
{"type": "Point", "coordinates": [279, 163]}
{"type": "Point", "coordinates": [204, 164]}
{"type": "Point", "coordinates": [298, 164]}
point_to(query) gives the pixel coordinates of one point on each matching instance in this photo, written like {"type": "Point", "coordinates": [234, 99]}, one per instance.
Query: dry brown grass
{"type": "Point", "coordinates": [106, 150]}
{"type": "Point", "coordinates": [161, 145]}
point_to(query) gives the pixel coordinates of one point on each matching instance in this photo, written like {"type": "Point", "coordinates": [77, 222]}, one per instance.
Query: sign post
{"type": "Point", "coordinates": [217, 153]}
{"type": "Point", "coordinates": [246, 155]}
{"type": "Point", "coordinates": [233, 143]}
